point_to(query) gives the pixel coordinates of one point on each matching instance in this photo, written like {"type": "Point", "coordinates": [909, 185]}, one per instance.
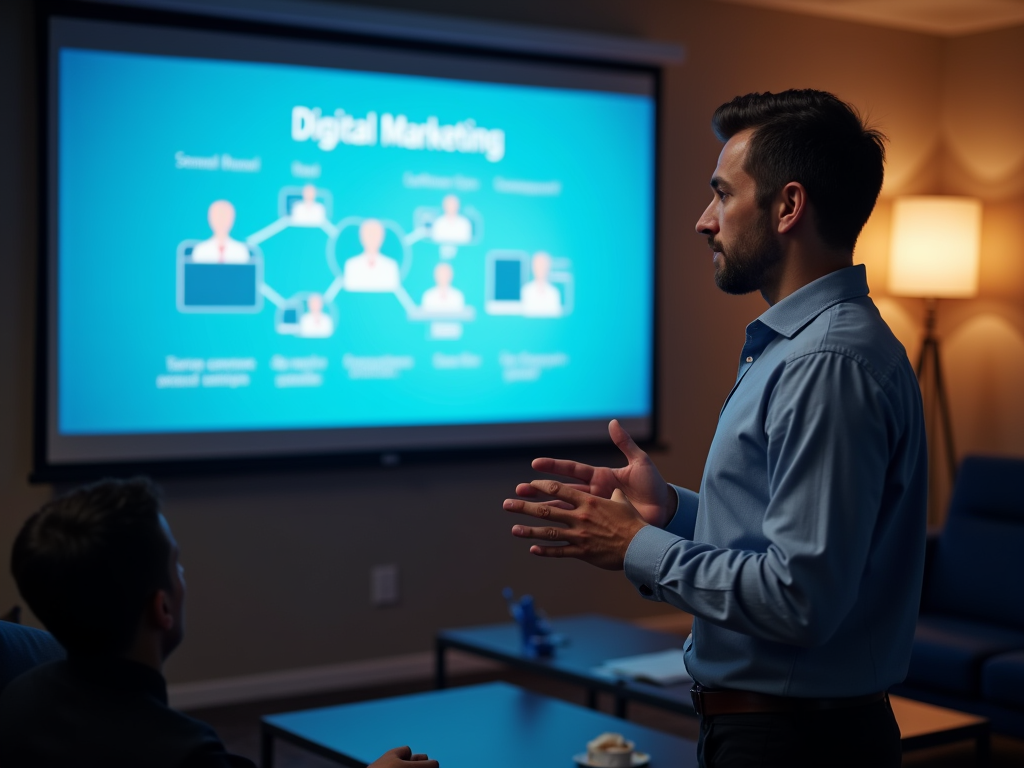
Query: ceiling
{"type": "Point", "coordinates": [948, 18]}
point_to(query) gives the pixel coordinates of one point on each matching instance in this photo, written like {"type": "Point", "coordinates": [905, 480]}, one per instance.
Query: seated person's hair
{"type": "Point", "coordinates": [87, 564]}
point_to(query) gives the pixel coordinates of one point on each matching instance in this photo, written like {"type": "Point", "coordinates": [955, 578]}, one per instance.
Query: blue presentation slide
{"type": "Point", "coordinates": [251, 246]}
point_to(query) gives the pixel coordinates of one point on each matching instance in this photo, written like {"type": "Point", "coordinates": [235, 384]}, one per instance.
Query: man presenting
{"type": "Point", "coordinates": [801, 557]}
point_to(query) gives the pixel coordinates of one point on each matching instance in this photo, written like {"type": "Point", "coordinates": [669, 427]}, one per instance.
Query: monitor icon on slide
{"type": "Point", "coordinates": [527, 285]}
{"type": "Point", "coordinates": [219, 274]}
{"type": "Point", "coordinates": [305, 206]}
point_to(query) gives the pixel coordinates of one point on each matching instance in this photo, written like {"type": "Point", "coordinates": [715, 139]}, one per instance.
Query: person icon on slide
{"type": "Point", "coordinates": [451, 228]}
{"type": "Point", "coordinates": [371, 271]}
{"type": "Point", "coordinates": [442, 298]}
{"type": "Point", "coordinates": [308, 212]}
{"type": "Point", "coordinates": [221, 249]}
{"type": "Point", "coordinates": [539, 297]}
{"type": "Point", "coordinates": [315, 323]}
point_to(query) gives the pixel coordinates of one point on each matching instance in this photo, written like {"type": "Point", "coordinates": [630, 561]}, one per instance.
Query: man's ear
{"type": "Point", "coordinates": [159, 612]}
{"type": "Point", "coordinates": [792, 206]}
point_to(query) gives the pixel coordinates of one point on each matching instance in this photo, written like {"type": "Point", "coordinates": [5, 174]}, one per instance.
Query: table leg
{"type": "Point", "coordinates": [621, 706]}
{"type": "Point", "coordinates": [266, 747]}
{"type": "Point", "coordinates": [439, 660]}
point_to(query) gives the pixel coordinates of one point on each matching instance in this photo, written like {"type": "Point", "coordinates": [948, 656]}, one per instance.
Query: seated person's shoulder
{"type": "Point", "coordinates": [55, 715]}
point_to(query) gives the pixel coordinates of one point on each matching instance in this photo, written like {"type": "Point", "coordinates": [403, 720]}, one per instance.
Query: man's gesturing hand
{"type": "Point", "coordinates": [639, 480]}
{"type": "Point", "coordinates": [596, 530]}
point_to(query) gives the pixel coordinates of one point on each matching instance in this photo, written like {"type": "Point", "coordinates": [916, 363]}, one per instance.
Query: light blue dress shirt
{"type": "Point", "coordinates": [802, 556]}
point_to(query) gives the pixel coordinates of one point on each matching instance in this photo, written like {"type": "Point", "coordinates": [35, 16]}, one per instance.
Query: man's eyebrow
{"type": "Point", "coordinates": [717, 182]}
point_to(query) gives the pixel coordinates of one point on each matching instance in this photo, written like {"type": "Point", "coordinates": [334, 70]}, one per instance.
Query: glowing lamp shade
{"type": "Point", "coordinates": [936, 241]}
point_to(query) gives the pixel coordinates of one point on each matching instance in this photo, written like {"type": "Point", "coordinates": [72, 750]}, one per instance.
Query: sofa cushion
{"type": "Point", "coordinates": [1002, 679]}
{"type": "Point", "coordinates": [22, 648]}
{"type": "Point", "coordinates": [948, 653]}
{"type": "Point", "coordinates": [979, 555]}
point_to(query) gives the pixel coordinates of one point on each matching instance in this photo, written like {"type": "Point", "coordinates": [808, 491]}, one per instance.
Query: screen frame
{"type": "Point", "coordinates": [47, 470]}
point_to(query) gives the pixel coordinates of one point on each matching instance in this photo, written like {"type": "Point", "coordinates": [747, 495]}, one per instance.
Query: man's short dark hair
{"type": "Point", "coordinates": [813, 138]}
{"type": "Point", "coordinates": [88, 562]}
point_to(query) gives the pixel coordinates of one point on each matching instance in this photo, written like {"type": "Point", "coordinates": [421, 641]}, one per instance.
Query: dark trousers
{"type": "Point", "coordinates": [861, 736]}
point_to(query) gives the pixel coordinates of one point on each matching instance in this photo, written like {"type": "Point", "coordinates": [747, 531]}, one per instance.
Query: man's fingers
{"type": "Point", "coordinates": [564, 468]}
{"type": "Point", "coordinates": [546, 533]}
{"type": "Point", "coordinates": [556, 511]}
{"type": "Point", "coordinates": [564, 491]}
{"type": "Point", "coordinates": [528, 491]}
{"type": "Point", "coordinates": [623, 441]}
{"type": "Point", "coordinates": [569, 550]}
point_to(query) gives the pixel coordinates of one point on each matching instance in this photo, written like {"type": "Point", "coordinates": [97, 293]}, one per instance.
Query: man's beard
{"type": "Point", "coordinates": [750, 261]}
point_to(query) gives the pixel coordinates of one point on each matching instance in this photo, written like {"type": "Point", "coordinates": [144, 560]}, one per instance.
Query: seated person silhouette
{"type": "Point", "coordinates": [371, 271]}
{"type": "Point", "coordinates": [539, 297]}
{"type": "Point", "coordinates": [442, 297]}
{"type": "Point", "coordinates": [221, 249]}
{"type": "Point", "coordinates": [451, 227]}
{"type": "Point", "coordinates": [308, 212]}
{"type": "Point", "coordinates": [99, 566]}
{"type": "Point", "coordinates": [315, 323]}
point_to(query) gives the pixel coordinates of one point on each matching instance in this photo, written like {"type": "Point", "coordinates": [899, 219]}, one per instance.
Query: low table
{"type": "Point", "coordinates": [925, 725]}
{"type": "Point", "coordinates": [591, 640]}
{"type": "Point", "coordinates": [495, 724]}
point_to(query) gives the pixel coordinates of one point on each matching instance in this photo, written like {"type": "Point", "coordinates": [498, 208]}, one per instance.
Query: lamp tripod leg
{"type": "Point", "coordinates": [944, 417]}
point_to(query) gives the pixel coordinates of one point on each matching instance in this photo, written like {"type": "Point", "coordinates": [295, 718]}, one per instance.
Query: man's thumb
{"type": "Point", "coordinates": [623, 441]}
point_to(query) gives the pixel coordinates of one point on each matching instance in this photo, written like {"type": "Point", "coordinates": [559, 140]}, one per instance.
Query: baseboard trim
{"type": "Point", "coordinates": [412, 667]}
{"type": "Point", "coordinates": [408, 668]}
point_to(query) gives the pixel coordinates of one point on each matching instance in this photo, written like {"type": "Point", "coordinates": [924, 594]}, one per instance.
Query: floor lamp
{"type": "Point", "coordinates": [934, 255]}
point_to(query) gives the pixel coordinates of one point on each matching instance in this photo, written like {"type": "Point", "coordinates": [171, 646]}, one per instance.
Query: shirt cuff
{"type": "Point", "coordinates": [684, 520]}
{"type": "Point", "coordinates": [643, 559]}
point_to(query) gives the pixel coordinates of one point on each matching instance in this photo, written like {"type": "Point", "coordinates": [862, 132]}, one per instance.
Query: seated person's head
{"type": "Point", "coordinates": [99, 567]}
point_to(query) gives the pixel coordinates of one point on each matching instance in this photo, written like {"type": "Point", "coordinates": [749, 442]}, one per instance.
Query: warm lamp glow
{"type": "Point", "coordinates": [936, 241]}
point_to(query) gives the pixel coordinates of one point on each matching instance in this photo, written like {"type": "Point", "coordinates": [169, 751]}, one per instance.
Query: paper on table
{"type": "Point", "coordinates": [661, 668]}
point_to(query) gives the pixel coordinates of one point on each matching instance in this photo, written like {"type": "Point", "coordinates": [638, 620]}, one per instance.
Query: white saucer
{"type": "Point", "coordinates": [639, 758]}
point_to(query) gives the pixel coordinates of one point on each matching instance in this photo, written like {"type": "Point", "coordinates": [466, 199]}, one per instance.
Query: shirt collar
{"type": "Point", "coordinates": [798, 309]}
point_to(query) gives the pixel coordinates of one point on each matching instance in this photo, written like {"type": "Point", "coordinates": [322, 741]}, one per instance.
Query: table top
{"type": "Point", "coordinates": [495, 724]}
{"type": "Point", "coordinates": [916, 718]}
{"type": "Point", "coordinates": [591, 640]}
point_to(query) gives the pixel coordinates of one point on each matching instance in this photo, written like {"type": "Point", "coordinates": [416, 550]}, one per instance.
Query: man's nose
{"type": "Point", "coordinates": [706, 224]}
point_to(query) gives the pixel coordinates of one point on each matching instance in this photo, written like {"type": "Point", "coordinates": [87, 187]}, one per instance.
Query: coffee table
{"type": "Point", "coordinates": [494, 724]}
{"type": "Point", "coordinates": [925, 725]}
{"type": "Point", "coordinates": [591, 640]}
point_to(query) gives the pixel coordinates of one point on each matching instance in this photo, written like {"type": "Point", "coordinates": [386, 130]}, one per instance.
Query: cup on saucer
{"type": "Point", "coordinates": [610, 750]}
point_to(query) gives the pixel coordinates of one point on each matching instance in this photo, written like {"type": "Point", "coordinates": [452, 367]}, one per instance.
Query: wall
{"type": "Point", "coordinates": [277, 566]}
{"type": "Point", "coordinates": [979, 151]}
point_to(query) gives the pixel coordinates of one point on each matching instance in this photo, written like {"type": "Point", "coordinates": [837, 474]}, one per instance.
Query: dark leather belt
{"type": "Point", "coordinates": [709, 703]}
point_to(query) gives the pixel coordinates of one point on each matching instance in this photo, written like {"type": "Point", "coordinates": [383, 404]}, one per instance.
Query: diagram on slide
{"type": "Point", "coordinates": [223, 274]}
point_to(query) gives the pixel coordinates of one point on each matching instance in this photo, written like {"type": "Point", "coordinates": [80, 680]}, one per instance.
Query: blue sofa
{"type": "Point", "coordinates": [969, 644]}
{"type": "Point", "coordinates": [22, 648]}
